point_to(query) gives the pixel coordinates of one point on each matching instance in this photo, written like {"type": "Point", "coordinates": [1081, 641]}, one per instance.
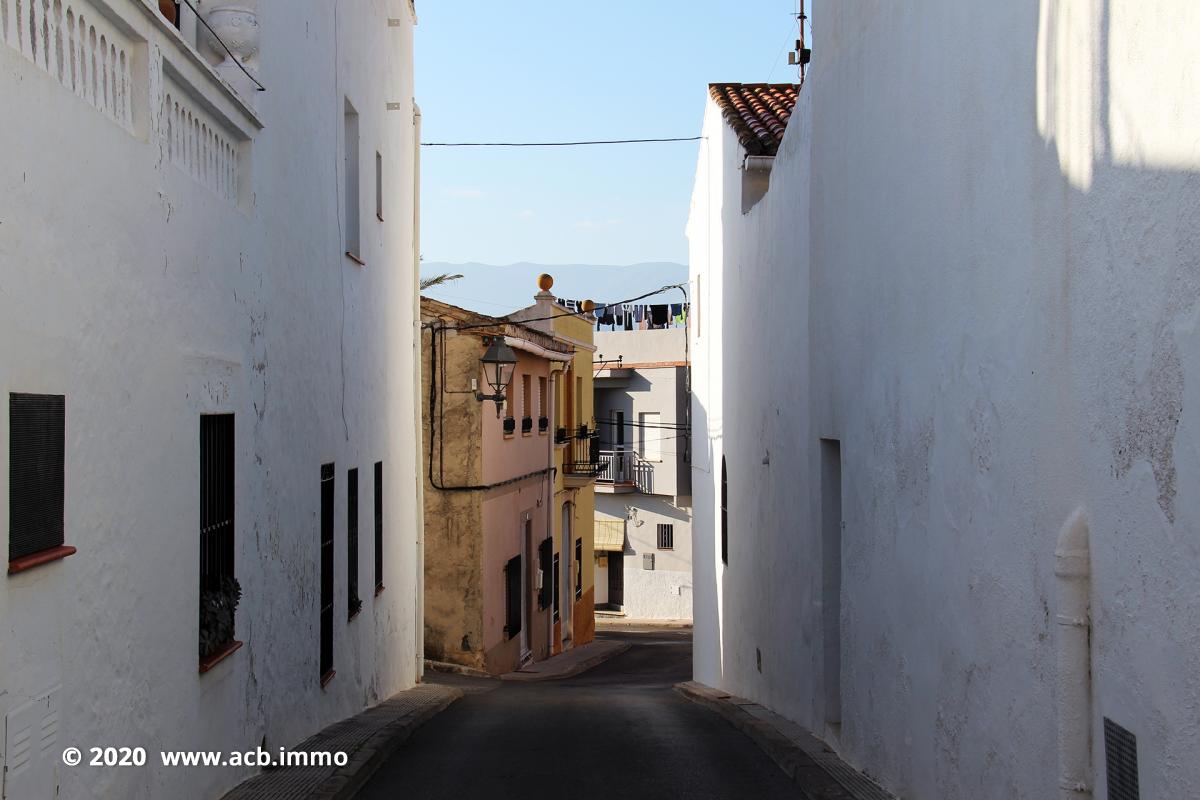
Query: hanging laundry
{"type": "Point", "coordinates": [658, 314]}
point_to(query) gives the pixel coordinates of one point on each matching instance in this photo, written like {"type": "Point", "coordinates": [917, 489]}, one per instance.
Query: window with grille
{"type": "Point", "coordinates": [36, 474]}
{"type": "Point", "coordinates": [219, 591]}
{"type": "Point", "coordinates": [326, 660]}
{"type": "Point", "coordinates": [543, 415]}
{"type": "Point", "coordinates": [724, 513]}
{"type": "Point", "coordinates": [545, 557]}
{"type": "Point", "coordinates": [353, 603]}
{"type": "Point", "coordinates": [578, 568]}
{"type": "Point", "coordinates": [378, 526]}
{"type": "Point", "coordinates": [512, 597]}
{"type": "Point", "coordinates": [666, 536]}
{"type": "Point", "coordinates": [526, 397]}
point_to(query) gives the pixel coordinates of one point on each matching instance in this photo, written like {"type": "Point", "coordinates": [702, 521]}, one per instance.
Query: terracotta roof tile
{"type": "Point", "coordinates": [757, 112]}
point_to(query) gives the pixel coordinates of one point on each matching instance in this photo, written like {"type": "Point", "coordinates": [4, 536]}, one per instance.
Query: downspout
{"type": "Point", "coordinates": [419, 605]}
{"type": "Point", "coordinates": [1072, 566]}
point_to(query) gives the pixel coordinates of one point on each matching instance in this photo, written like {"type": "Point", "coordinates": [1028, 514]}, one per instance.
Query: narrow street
{"type": "Point", "coordinates": [616, 731]}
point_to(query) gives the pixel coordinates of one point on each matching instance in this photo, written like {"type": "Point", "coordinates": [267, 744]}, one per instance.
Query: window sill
{"type": "Point", "coordinates": [225, 652]}
{"type": "Point", "coordinates": [355, 259]}
{"type": "Point", "coordinates": [32, 560]}
{"type": "Point", "coordinates": [327, 677]}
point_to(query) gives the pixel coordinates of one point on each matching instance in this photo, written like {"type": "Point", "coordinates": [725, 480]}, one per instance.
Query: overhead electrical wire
{"type": "Point", "coordinates": [221, 41]}
{"type": "Point", "coordinates": [562, 144]}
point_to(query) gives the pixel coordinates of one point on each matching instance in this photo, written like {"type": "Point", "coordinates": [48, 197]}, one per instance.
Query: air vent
{"type": "Point", "coordinates": [1120, 758]}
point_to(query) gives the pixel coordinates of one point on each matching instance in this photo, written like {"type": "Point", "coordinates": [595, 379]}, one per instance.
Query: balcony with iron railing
{"type": "Point", "coordinates": [581, 462]}
{"type": "Point", "coordinates": [623, 470]}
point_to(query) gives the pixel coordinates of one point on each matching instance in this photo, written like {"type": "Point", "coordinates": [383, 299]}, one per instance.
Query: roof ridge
{"type": "Point", "coordinates": [757, 112]}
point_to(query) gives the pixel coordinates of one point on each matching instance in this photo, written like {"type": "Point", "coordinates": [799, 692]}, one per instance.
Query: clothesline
{"type": "Point", "coordinates": [634, 316]}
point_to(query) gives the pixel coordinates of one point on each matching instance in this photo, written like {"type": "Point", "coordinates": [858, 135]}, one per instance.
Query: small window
{"type": "Point", "coordinates": [379, 186]}
{"type": "Point", "coordinates": [526, 397]}
{"type": "Point", "coordinates": [353, 603]}
{"type": "Point", "coordinates": [352, 199]}
{"type": "Point", "coordinates": [378, 526]}
{"type": "Point", "coordinates": [543, 416]}
{"type": "Point", "coordinates": [578, 568]}
{"type": "Point", "coordinates": [666, 536]}
{"type": "Point", "coordinates": [509, 405]}
{"type": "Point", "coordinates": [724, 513]}
{"type": "Point", "coordinates": [37, 475]}
{"type": "Point", "coordinates": [512, 597]}
{"type": "Point", "coordinates": [650, 434]}
{"type": "Point", "coordinates": [326, 657]}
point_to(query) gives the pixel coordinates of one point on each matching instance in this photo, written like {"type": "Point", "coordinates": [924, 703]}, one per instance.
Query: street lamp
{"type": "Point", "coordinates": [498, 364]}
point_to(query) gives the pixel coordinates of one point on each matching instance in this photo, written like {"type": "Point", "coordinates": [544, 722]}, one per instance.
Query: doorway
{"type": "Point", "coordinates": [568, 607]}
{"type": "Point", "coordinates": [831, 577]}
{"type": "Point", "coordinates": [530, 581]}
{"type": "Point", "coordinates": [616, 580]}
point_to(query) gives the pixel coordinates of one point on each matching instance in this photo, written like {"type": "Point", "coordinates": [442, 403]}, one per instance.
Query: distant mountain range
{"type": "Point", "coordinates": [498, 290]}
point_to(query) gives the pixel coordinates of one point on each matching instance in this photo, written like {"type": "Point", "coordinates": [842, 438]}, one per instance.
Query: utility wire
{"type": "Point", "coordinates": [221, 42]}
{"type": "Point", "coordinates": [559, 144]}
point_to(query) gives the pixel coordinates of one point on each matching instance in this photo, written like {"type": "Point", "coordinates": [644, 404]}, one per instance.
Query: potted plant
{"type": "Point", "coordinates": [218, 606]}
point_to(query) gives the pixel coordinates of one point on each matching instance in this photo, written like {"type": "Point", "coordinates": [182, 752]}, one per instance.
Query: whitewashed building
{"type": "Point", "coordinates": [207, 309]}
{"type": "Point", "coordinates": [944, 412]}
{"type": "Point", "coordinates": [643, 493]}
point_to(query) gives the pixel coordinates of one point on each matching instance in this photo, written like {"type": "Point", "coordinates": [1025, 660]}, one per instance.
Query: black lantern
{"type": "Point", "coordinates": [498, 364]}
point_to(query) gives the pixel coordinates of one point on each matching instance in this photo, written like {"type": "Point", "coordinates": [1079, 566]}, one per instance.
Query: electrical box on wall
{"type": "Point", "coordinates": [647, 560]}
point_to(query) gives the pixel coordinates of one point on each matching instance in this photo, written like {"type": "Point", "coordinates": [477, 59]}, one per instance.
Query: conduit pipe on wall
{"type": "Point", "coordinates": [1072, 566]}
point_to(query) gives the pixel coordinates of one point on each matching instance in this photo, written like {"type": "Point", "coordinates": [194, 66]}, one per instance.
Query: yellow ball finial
{"type": "Point", "coordinates": [589, 306]}
{"type": "Point", "coordinates": [545, 281]}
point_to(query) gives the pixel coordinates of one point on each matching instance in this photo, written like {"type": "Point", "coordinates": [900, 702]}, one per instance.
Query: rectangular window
{"type": "Point", "coordinates": [510, 407]}
{"type": "Point", "coordinates": [545, 558]}
{"type": "Point", "coordinates": [379, 186]}
{"type": "Point", "coordinates": [36, 478]}
{"type": "Point", "coordinates": [352, 199]}
{"type": "Point", "coordinates": [326, 661]}
{"type": "Point", "coordinates": [512, 597]}
{"type": "Point", "coordinates": [378, 527]}
{"type": "Point", "coordinates": [650, 435]}
{"type": "Point", "coordinates": [526, 397]}
{"type": "Point", "coordinates": [557, 584]}
{"type": "Point", "coordinates": [578, 568]}
{"type": "Point", "coordinates": [666, 536]}
{"type": "Point", "coordinates": [543, 417]}
{"type": "Point", "coordinates": [353, 603]}
{"type": "Point", "coordinates": [219, 591]}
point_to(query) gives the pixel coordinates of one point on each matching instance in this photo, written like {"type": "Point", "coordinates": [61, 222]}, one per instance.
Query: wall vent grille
{"type": "Point", "coordinates": [1121, 765]}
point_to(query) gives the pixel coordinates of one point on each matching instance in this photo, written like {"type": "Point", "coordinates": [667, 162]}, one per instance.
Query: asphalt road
{"type": "Point", "coordinates": [617, 731]}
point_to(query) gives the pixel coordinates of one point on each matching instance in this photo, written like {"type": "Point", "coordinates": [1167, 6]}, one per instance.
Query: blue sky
{"type": "Point", "coordinates": [534, 70]}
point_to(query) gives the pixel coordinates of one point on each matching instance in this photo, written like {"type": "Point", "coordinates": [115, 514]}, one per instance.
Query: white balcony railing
{"type": "Point", "coordinates": [623, 466]}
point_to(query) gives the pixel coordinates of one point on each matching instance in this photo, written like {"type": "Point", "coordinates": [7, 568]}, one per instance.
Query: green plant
{"type": "Point", "coordinates": [217, 608]}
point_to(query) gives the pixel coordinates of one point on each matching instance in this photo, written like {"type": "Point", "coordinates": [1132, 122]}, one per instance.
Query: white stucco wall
{"type": "Point", "coordinates": [148, 298]}
{"type": "Point", "coordinates": [976, 268]}
{"type": "Point", "coordinates": [666, 591]}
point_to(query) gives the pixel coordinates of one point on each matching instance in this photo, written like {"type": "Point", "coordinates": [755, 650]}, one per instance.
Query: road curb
{"type": "Point", "coordinates": [812, 778]}
{"type": "Point", "coordinates": [368, 738]}
{"type": "Point", "coordinates": [457, 669]}
{"type": "Point", "coordinates": [366, 761]}
{"type": "Point", "coordinates": [573, 670]}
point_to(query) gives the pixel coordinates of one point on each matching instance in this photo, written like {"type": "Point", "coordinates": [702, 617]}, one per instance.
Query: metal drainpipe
{"type": "Point", "coordinates": [551, 476]}
{"type": "Point", "coordinates": [1072, 566]}
{"type": "Point", "coordinates": [419, 480]}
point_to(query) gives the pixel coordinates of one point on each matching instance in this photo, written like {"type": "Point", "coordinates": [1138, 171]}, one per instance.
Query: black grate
{"type": "Point", "coordinates": [216, 500]}
{"type": "Point", "coordinates": [352, 601]}
{"type": "Point", "coordinates": [36, 455]}
{"type": "Point", "coordinates": [512, 597]}
{"type": "Point", "coordinates": [378, 525]}
{"type": "Point", "coordinates": [1121, 762]}
{"type": "Point", "coordinates": [326, 569]}
{"type": "Point", "coordinates": [666, 536]}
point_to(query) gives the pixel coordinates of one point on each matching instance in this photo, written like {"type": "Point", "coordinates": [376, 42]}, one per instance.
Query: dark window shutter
{"type": "Point", "coordinates": [578, 568]}
{"type": "Point", "coordinates": [326, 569]}
{"type": "Point", "coordinates": [724, 513]}
{"type": "Point", "coordinates": [37, 474]}
{"type": "Point", "coordinates": [378, 524]}
{"type": "Point", "coordinates": [512, 583]}
{"type": "Point", "coordinates": [557, 583]}
{"type": "Point", "coordinates": [352, 601]}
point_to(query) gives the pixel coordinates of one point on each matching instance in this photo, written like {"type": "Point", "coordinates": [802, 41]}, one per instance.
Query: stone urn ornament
{"type": "Point", "coordinates": [236, 24]}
